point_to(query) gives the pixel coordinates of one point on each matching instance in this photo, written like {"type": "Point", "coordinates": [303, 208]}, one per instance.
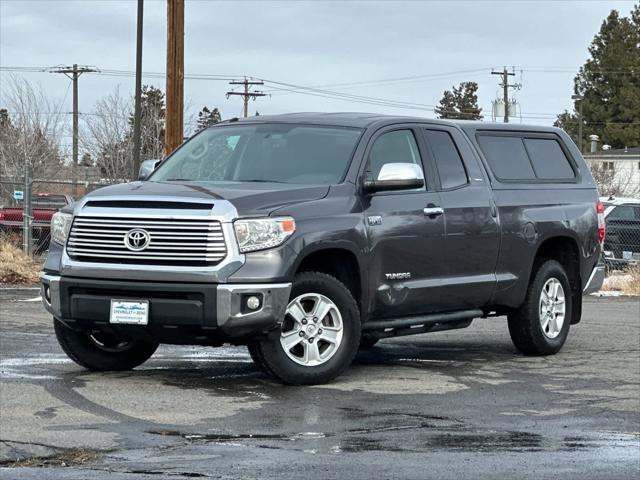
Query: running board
{"type": "Point", "coordinates": [420, 323]}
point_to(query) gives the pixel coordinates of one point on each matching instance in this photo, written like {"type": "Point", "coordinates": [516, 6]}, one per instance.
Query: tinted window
{"type": "Point", "coordinates": [624, 212]}
{"type": "Point", "coordinates": [507, 157]}
{"type": "Point", "coordinates": [393, 147]}
{"type": "Point", "coordinates": [549, 161]}
{"type": "Point", "coordinates": [447, 158]}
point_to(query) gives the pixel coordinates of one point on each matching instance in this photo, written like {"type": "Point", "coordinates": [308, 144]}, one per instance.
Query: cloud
{"type": "Point", "coordinates": [313, 43]}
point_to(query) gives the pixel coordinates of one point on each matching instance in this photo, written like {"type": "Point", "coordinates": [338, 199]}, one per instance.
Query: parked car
{"type": "Point", "coordinates": [43, 206]}
{"type": "Point", "coordinates": [622, 242]}
{"type": "Point", "coordinates": [308, 236]}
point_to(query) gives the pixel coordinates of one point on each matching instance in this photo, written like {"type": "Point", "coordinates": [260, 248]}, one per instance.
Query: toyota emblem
{"type": "Point", "coordinates": [137, 239]}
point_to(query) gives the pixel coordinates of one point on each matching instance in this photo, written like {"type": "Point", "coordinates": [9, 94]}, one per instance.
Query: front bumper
{"type": "Point", "coordinates": [595, 281]}
{"type": "Point", "coordinates": [178, 312]}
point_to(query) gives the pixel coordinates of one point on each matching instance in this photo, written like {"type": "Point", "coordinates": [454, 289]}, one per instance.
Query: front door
{"type": "Point", "coordinates": [406, 245]}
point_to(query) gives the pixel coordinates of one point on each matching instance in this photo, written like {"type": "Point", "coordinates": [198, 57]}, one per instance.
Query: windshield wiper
{"type": "Point", "coordinates": [177, 180]}
{"type": "Point", "coordinates": [260, 180]}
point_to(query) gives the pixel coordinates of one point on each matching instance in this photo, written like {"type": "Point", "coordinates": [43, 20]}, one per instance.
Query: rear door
{"type": "Point", "coordinates": [471, 224]}
{"type": "Point", "coordinates": [406, 246]}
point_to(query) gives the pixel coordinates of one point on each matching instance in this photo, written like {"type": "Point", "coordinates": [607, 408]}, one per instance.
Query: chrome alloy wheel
{"type": "Point", "coordinates": [552, 308]}
{"type": "Point", "coordinates": [312, 330]}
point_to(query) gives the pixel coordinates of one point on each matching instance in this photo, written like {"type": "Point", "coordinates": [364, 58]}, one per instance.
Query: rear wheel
{"type": "Point", "coordinates": [319, 336]}
{"type": "Point", "coordinates": [541, 325]}
{"type": "Point", "coordinates": [102, 351]}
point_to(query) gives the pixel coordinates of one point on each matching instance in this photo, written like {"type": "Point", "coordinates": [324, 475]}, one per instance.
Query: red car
{"type": "Point", "coordinates": [43, 206]}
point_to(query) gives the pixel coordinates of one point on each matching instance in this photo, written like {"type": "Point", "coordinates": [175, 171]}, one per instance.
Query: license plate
{"type": "Point", "coordinates": [129, 311]}
{"type": "Point", "coordinates": [627, 255]}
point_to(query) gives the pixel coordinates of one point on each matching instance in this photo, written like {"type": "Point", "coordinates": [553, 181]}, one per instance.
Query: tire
{"type": "Point", "coordinates": [254, 352]}
{"type": "Point", "coordinates": [115, 354]}
{"type": "Point", "coordinates": [531, 331]}
{"type": "Point", "coordinates": [367, 343]}
{"type": "Point", "coordinates": [312, 359]}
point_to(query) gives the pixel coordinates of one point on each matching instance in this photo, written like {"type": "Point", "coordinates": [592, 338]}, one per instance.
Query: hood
{"type": "Point", "coordinates": [249, 198]}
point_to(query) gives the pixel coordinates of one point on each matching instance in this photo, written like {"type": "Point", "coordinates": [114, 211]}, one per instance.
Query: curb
{"type": "Point", "coordinates": [8, 291]}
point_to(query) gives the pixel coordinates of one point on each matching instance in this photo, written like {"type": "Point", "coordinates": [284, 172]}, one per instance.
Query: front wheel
{"type": "Point", "coordinates": [102, 351]}
{"type": "Point", "coordinates": [320, 333]}
{"type": "Point", "coordinates": [541, 325]}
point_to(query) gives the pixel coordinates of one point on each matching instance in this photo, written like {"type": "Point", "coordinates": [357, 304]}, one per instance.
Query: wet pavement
{"type": "Point", "coordinates": [443, 405]}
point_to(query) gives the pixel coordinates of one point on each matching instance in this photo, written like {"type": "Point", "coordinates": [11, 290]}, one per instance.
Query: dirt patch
{"type": "Point", "coordinates": [64, 458]}
{"type": "Point", "coordinates": [16, 267]}
{"type": "Point", "coordinates": [626, 281]}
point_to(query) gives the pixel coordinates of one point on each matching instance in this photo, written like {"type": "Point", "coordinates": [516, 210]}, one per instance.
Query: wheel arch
{"type": "Point", "coordinates": [565, 250]}
{"type": "Point", "coordinates": [339, 261]}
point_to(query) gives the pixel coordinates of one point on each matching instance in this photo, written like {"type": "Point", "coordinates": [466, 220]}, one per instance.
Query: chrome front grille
{"type": "Point", "coordinates": [171, 241]}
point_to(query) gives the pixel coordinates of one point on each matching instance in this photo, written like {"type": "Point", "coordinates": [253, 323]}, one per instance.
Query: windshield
{"type": "Point", "coordinates": [285, 153]}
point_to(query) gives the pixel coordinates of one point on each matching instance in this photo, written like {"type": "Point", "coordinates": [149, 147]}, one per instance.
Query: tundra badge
{"type": "Point", "coordinates": [398, 276]}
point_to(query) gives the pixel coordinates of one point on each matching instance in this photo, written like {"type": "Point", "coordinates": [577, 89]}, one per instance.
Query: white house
{"type": "Point", "coordinates": [620, 168]}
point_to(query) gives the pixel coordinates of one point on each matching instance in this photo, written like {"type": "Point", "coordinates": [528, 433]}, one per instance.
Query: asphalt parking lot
{"type": "Point", "coordinates": [446, 405]}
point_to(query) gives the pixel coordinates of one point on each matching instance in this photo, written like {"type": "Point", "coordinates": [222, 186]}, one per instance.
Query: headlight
{"type": "Point", "coordinates": [60, 226]}
{"type": "Point", "coordinates": [261, 233]}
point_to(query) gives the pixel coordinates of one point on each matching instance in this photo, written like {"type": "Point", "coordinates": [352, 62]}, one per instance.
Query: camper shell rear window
{"type": "Point", "coordinates": [525, 157]}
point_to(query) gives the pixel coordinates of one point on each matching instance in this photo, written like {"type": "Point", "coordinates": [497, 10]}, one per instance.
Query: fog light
{"type": "Point", "coordinates": [253, 303]}
{"type": "Point", "coordinates": [47, 294]}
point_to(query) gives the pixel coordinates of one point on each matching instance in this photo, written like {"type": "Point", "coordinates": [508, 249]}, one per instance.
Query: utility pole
{"type": "Point", "coordinates": [138, 108]}
{"type": "Point", "coordinates": [74, 73]}
{"type": "Point", "coordinates": [246, 94]}
{"type": "Point", "coordinates": [579, 98]}
{"type": "Point", "coordinates": [505, 90]}
{"type": "Point", "coordinates": [27, 216]}
{"type": "Point", "coordinates": [173, 134]}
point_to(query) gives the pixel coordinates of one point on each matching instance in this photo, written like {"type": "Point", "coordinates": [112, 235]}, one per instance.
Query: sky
{"type": "Point", "coordinates": [430, 45]}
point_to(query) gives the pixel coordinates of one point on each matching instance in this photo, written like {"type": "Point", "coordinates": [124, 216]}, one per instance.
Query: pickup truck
{"type": "Point", "coordinates": [43, 206]}
{"type": "Point", "coordinates": [309, 236]}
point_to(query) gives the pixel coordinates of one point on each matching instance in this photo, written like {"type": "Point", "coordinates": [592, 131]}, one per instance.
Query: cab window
{"type": "Point", "coordinates": [398, 146]}
{"type": "Point", "coordinates": [448, 161]}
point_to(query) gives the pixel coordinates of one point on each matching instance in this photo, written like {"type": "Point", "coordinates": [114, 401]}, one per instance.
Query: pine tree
{"type": "Point", "coordinates": [609, 83]}
{"type": "Point", "coordinates": [152, 123]}
{"type": "Point", "coordinates": [207, 117]}
{"type": "Point", "coordinates": [461, 104]}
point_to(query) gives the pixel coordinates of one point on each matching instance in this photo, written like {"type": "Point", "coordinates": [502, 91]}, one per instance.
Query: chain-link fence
{"type": "Point", "coordinates": [26, 209]}
{"type": "Point", "coordinates": [618, 179]}
{"type": "Point", "coordinates": [622, 240]}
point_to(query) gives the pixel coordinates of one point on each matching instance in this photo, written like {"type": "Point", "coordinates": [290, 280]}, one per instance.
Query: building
{"type": "Point", "coordinates": [616, 171]}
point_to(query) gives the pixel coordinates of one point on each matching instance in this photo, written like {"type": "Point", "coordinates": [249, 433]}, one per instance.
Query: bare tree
{"type": "Point", "coordinates": [108, 132]}
{"type": "Point", "coordinates": [610, 182]}
{"type": "Point", "coordinates": [106, 136]}
{"type": "Point", "coordinates": [30, 130]}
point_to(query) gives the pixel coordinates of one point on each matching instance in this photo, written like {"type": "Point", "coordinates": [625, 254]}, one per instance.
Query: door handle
{"type": "Point", "coordinates": [432, 211]}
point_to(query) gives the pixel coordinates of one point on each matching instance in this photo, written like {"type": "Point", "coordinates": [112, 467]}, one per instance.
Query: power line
{"type": "Point", "coordinates": [398, 80]}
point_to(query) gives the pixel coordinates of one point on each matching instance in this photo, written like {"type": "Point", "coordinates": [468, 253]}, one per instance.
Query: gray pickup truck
{"type": "Point", "coordinates": [309, 236]}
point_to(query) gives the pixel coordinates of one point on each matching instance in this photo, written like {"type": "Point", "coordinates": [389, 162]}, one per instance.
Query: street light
{"type": "Point", "coordinates": [579, 98]}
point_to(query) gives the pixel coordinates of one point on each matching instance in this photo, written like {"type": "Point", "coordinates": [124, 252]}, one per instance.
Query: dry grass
{"type": "Point", "coordinates": [16, 267]}
{"type": "Point", "coordinates": [626, 281]}
{"type": "Point", "coordinates": [66, 458]}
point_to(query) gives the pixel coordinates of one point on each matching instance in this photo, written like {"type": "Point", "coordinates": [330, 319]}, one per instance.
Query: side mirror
{"type": "Point", "coordinates": [146, 168]}
{"type": "Point", "coordinates": [396, 176]}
